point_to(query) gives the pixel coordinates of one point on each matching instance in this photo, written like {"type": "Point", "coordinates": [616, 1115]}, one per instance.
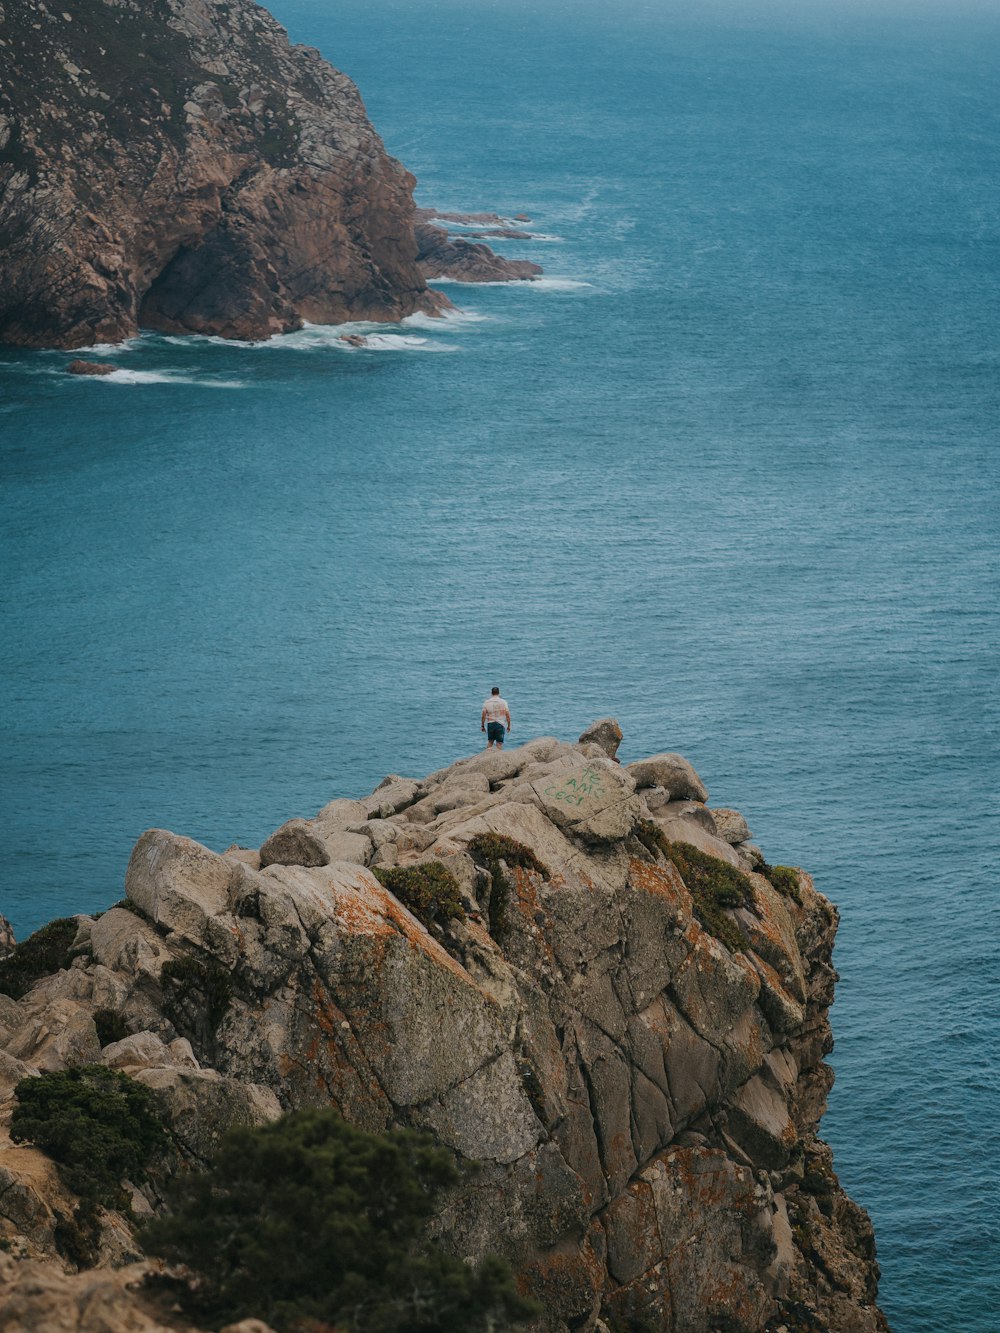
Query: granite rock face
{"type": "Point", "coordinates": [643, 1099]}
{"type": "Point", "coordinates": [178, 165]}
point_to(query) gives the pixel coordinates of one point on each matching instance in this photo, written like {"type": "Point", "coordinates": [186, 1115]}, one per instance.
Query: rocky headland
{"type": "Point", "coordinates": [463, 257]}
{"type": "Point", "coordinates": [179, 166]}
{"type": "Point", "coordinates": [615, 1007]}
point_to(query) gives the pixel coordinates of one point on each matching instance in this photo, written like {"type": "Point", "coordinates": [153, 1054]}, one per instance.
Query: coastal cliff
{"type": "Point", "coordinates": [603, 996]}
{"type": "Point", "coordinates": [177, 165]}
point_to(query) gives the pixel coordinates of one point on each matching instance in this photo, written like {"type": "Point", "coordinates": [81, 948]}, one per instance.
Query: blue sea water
{"type": "Point", "coordinates": [729, 473]}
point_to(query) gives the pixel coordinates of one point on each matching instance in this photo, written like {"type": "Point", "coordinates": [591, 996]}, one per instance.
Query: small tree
{"type": "Point", "coordinates": [100, 1127]}
{"type": "Point", "coordinates": [312, 1219]}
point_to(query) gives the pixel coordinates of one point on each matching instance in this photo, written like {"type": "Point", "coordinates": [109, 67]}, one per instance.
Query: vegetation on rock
{"type": "Point", "coordinates": [38, 956]}
{"type": "Point", "coordinates": [714, 885]}
{"type": "Point", "coordinates": [489, 850]}
{"type": "Point", "coordinates": [429, 890]}
{"type": "Point", "coordinates": [785, 879]}
{"type": "Point", "coordinates": [110, 1026]}
{"type": "Point", "coordinates": [196, 995]}
{"type": "Point", "coordinates": [100, 1128]}
{"type": "Point", "coordinates": [310, 1219]}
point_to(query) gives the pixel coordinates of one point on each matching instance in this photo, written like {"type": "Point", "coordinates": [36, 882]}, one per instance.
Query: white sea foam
{"type": "Point", "coordinates": [452, 318]}
{"type": "Point", "coordinates": [542, 284]}
{"type": "Point", "coordinates": [378, 338]}
{"type": "Point", "coordinates": [398, 342]}
{"type": "Point", "coordinates": [123, 376]}
{"type": "Point", "coordinates": [106, 349]}
{"type": "Point", "coordinates": [186, 339]}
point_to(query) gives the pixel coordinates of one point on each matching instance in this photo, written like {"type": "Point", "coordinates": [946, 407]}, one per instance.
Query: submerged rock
{"type": "Point", "coordinates": [91, 368]}
{"type": "Point", "coordinates": [635, 1065]}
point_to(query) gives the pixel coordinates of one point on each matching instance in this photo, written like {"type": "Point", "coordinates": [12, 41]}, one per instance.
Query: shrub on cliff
{"type": "Point", "coordinates": [38, 956]}
{"type": "Point", "coordinates": [100, 1128]}
{"type": "Point", "coordinates": [196, 995]}
{"type": "Point", "coordinates": [489, 850]}
{"type": "Point", "coordinates": [312, 1221]}
{"type": "Point", "coordinates": [714, 885]}
{"type": "Point", "coordinates": [429, 890]}
{"type": "Point", "coordinates": [785, 879]}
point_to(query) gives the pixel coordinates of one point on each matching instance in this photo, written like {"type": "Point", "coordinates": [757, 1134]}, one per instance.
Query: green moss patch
{"type": "Point", "coordinates": [785, 879]}
{"type": "Point", "coordinates": [38, 956]}
{"type": "Point", "coordinates": [429, 890]}
{"type": "Point", "coordinates": [714, 885]}
{"type": "Point", "coordinates": [489, 850]}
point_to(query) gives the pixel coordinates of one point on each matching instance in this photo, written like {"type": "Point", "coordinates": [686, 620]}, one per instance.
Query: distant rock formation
{"type": "Point", "coordinates": [179, 166]}
{"type": "Point", "coordinates": [440, 254]}
{"type": "Point", "coordinates": [626, 1031]}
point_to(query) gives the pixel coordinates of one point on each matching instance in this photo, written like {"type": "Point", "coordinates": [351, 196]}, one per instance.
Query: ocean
{"type": "Point", "coordinates": [727, 473]}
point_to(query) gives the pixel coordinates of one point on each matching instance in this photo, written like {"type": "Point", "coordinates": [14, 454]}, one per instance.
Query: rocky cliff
{"type": "Point", "coordinates": [176, 164]}
{"type": "Point", "coordinates": [623, 1022]}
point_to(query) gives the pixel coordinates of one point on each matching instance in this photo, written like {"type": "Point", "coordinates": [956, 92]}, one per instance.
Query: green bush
{"type": "Point", "coordinates": [488, 850]}
{"type": "Point", "coordinates": [785, 879]}
{"type": "Point", "coordinates": [38, 956]}
{"type": "Point", "coordinates": [429, 890]}
{"type": "Point", "coordinates": [310, 1218]}
{"type": "Point", "coordinates": [714, 885]}
{"type": "Point", "coordinates": [99, 1127]}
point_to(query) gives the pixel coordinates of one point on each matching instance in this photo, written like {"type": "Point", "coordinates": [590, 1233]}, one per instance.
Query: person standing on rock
{"type": "Point", "coordinates": [496, 716]}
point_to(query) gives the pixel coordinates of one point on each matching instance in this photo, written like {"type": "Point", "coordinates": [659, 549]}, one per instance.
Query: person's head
{"type": "Point", "coordinates": [495, 689]}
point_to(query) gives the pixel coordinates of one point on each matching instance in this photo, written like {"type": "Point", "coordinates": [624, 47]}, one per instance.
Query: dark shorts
{"type": "Point", "coordinates": [495, 731]}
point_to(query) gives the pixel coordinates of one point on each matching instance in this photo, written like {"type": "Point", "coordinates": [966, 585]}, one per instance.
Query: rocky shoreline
{"type": "Point", "coordinates": [181, 167]}
{"type": "Point", "coordinates": [621, 1017]}
{"type": "Point", "coordinates": [463, 257]}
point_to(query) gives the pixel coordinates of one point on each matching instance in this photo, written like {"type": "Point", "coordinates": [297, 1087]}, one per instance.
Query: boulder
{"type": "Point", "coordinates": [730, 826]}
{"type": "Point", "coordinates": [594, 800]}
{"type": "Point", "coordinates": [202, 1105]}
{"type": "Point", "coordinates": [344, 846]}
{"type": "Point", "coordinates": [126, 943]}
{"type": "Point", "coordinates": [689, 821]}
{"type": "Point", "coordinates": [606, 733]}
{"type": "Point", "coordinates": [143, 1050]}
{"type": "Point", "coordinates": [248, 856]}
{"type": "Point", "coordinates": [60, 1034]}
{"type": "Point", "coordinates": [296, 843]}
{"type": "Point", "coordinates": [390, 796]}
{"type": "Point", "coordinates": [91, 368]}
{"type": "Point", "coordinates": [338, 815]}
{"type": "Point", "coordinates": [671, 771]}
{"type": "Point", "coordinates": [7, 941]}
{"type": "Point", "coordinates": [176, 883]}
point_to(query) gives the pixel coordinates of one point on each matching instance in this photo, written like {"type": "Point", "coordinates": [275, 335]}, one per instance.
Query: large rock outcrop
{"type": "Point", "coordinates": [642, 1097]}
{"type": "Point", "coordinates": [176, 164]}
